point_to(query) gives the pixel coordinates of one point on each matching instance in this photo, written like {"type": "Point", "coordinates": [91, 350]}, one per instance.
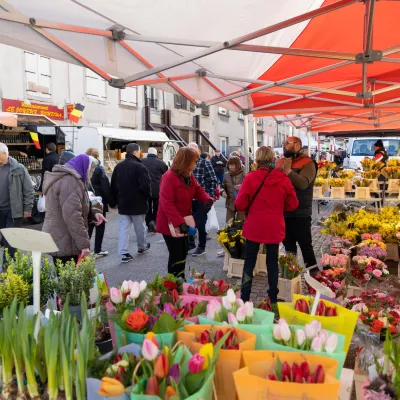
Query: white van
{"type": "Point", "coordinates": [359, 148]}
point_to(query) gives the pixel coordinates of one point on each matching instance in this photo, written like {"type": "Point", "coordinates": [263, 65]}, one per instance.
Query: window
{"type": "Point", "coordinates": [96, 86]}
{"type": "Point", "coordinates": [180, 102]}
{"type": "Point", "coordinates": [128, 96]}
{"type": "Point", "coordinates": [223, 145]}
{"type": "Point", "coordinates": [38, 75]}
{"type": "Point", "coordinates": [240, 116]}
{"type": "Point", "coordinates": [365, 147]}
{"type": "Point", "coordinates": [260, 122]}
{"type": "Point", "coordinates": [151, 96]}
{"type": "Point", "coordinates": [241, 142]}
{"type": "Point", "coordinates": [223, 111]}
{"type": "Point", "coordinates": [205, 111]}
{"type": "Point", "coordinates": [192, 107]}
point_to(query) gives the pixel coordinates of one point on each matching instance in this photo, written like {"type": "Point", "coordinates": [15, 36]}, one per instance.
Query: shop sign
{"type": "Point", "coordinates": [48, 110]}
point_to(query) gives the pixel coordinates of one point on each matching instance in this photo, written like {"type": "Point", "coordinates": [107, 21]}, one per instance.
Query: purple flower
{"type": "Point", "coordinates": [170, 309]}
{"type": "Point", "coordinates": [174, 373]}
{"type": "Point", "coordinates": [152, 320]}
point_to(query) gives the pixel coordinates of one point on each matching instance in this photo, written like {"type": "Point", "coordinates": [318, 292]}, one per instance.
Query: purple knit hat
{"type": "Point", "coordinates": [81, 165]}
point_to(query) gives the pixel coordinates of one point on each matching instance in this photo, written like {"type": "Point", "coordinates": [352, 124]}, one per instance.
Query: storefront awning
{"type": "Point", "coordinates": [133, 135]}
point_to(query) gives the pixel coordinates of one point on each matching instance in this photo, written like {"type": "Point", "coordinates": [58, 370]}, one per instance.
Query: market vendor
{"type": "Point", "coordinates": [380, 153]}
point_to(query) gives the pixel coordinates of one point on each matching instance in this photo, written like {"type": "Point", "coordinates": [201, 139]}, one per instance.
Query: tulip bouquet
{"type": "Point", "coordinates": [368, 269]}
{"type": "Point", "coordinates": [362, 182]}
{"type": "Point", "coordinates": [332, 278]}
{"type": "Point", "coordinates": [166, 284]}
{"type": "Point", "coordinates": [209, 288]}
{"type": "Point", "coordinates": [290, 267]}
{"type": "Point", "coordinates": [130, 295]}
{"type": "Point", "coordinates": [319, 181]}
{"type": "Point", "coordinates": [323, 310]}
{"type": "Point", "coordinates": [214, 335]}
{"type": "Point", "coordinates": [391, 172]}
{"type": "Point", "coordinates": [346, 174]}
{"type": "Point", "coordinates": [370, 164]}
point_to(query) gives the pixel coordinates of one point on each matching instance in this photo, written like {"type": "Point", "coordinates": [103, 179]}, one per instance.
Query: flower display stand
{"type": "Point", "coordinates": [354, 291]}
{"type": "Point", "coordinates": [318, 192]}
{"type": "Point", "coordinates": [374, 187]}
{"type": "Point", "coordinates": [348, 186]}
{"type": "Point", "coordinates": [392, 252]}
{"type": "Point", "coordinates": [363, 193]}
{"type": "Point", "coordinates": [289, 287]}
{"type": "Point", "coordinates": [393, 186]}
{"type": "Point", "coordinates": [338, 192]}
{"type": "Point", "coordinates": [235, 268]}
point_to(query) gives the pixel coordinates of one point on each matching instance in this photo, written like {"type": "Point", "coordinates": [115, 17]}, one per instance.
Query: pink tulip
{"type": "Point", "coordinates": [300, 337]}
{"type": "Point", "coordinates": [130, 284]}
{"type": "Point", "coordinates": [195, 364]}
{"type": "Point", "coordinates": [317, 325]}
{"type": "Point", "coordinates": [277, 332]}
{"type": "Point", "coordinates": [116, 296]}
{"type": "Point", "coordinates": [232, 319]}
{"type": "Point", "coordinates": [241, 314]}
{"type": "Point", "coordinates": [239, 302]}
{"type": "Point", "coordinates": [210, 311]}
{"type": "Point", "coordinates": [226, 303]}
{"type": "Point", "coordinates": [149, 350]}
{"type": "Point", "coordinates": [135, 290]}
{"type": "Point", "coordinates": [249, 308]}
{"type": "Point", "coordinates": [331, 343]}
{"type": "Point", "coordinates": [216, 304]}
{"type": "Point", "coordinates": [310, 331]}
{"type": "Point", "coordinates": [323, 337]}
{"type": "Point", "coordinates": [282, 321]}
{"type": "Point", "coordinates": [316, 344]}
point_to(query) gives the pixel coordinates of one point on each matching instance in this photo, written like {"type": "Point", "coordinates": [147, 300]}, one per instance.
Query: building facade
{"type": "Point", "coordinates": [30, 82]}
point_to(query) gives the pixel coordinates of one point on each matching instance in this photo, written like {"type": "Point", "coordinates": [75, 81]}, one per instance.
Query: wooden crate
{"type": "Point", "coordinates": [338, 192]}
{"type": "Point", "coordinates": [393, 186]}
{"type": "Point", "coordinates": [287, 288]}
{"type": "Point", "coordinates": [318, 192]}
{"type": "Point", "coordinates": [348, 186]}
{"type": "Point", "coordinates": [354, 291]}
{"type": "Point", "coordinates": [374, 187]}
{"type": "Point", "coordinates": [235, 268]}
{"type": "Point", "coordinates": [363, 193]}
{"type": "Point", "coordinates": [392, 252]}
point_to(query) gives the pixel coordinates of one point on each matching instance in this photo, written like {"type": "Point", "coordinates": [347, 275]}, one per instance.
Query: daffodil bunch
{"type": "Point", "coordinates": [346, 174]}
{"type": "Point", "coordinates": [337, 182]}
{"type": "Point", "coordinates": [393, 162]}
{"type": "Point", "coordinates": [362, 182]}
{"type": "Point", "coordinates": [391, 172]}
{"type": "Point", "coordinates": [373, 174]}
{"type": "Point", "coordinates": [232, 240]}
{"type": "Point", "coordinates": [319, 181]}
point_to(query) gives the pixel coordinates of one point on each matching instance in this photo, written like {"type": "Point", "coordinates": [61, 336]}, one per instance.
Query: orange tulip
{"type": "Point", "coordinates": [170, 392]}
{"type": "Point", "coordinates": [110, 387]}
{"type": "Point", "coordinates": [162, 367]}
{"type": "Point", "coordinates": [152, 386]}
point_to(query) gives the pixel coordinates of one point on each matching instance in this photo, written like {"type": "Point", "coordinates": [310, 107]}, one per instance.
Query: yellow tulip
{"type": "Point", "coordinates": [166, 350]}
{"type": "Point", "coordinates": [110, 387]}
{"type": "Point", "coordinates": [152, 337]}
{"type": "Point", "coordinates": [207, 351]}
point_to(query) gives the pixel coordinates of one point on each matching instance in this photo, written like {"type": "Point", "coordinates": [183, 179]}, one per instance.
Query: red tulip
{"type": "Point", "coordinates": [286, 373]}
{"type": "Point", "coordinates": [319, 374]}
{"type": "Point", "coordinates": [310, 379]}
{"type": "Point", "coordinates": [305, 370]}
{"type": "Point", "coordinates": [218, 336]}
{"type": "Point", "coordinates": [222, 286]}
{"type": "Point", "coordinates": [298, 378]}
{"type": "Point", "coordinates": [161, 367]}
{"type": "Point", "coordinates": [175, 296]}
{"type": "Point", "coordinates": [152, 386]}
{"type": "Point", "coordinates": [334, 312]}
{"type": "Point", "coordinates": [170, 285]}
{"type": "Point", "coordinates": [272, 377]}
{"type": "Point", "coordinates": [302, 306]}
{"type": "Point", "coordinates": [205, 337]}
{"type": "Point", "coordinates": [329, 312]}
{"type": "Point", "coordinates": [295, 369]}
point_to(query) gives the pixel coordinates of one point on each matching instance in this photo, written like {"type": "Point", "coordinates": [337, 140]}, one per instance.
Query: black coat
{"type": "Point", "coordinates": [218, 168]}
{"type": "Point", "coordinates": [49, 161]}
{"type": "Point", "coordinates": [130, 186]}
{"type": "Point", "coordinates": [101, 186]}
{"type": "Point", "coordinates": [157, 169]}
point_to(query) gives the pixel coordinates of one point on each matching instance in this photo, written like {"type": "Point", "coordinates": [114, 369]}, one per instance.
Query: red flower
{"type": "Point", "coordinates": [205, 337]}
{"type": "Point", "coordinates": [392, 329]}
{"type": "Point", "coordinates": [175, 296]}
{"type": "Point", "coordinates": [170, 285]}
{"type": "Point", "coordinates": [222, 287]}
{"type": "Point", "coordinates": [218, 336]}
{"type": "Point", "coordinates": [363, 317]}
{"type": "Point", "coordinates": [377, 326]}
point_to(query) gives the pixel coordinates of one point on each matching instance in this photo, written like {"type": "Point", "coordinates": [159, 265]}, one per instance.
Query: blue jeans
{"type": "Point", "coordinates": [200, 218]}
{"type": "Point", "coordinates": [220, 178]}
{"type": "Point", "coordinates": [125, 223]}
{"type": "Point", "coordinates": [250, 259]}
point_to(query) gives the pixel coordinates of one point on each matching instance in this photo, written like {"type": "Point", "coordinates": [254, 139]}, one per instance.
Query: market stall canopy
{"type": "Point", "coordinates": [14, 120]}
{"type": "Point", "coordinates": [268, 58]}
{"type": "Point", "coordinates": [133, 135]}
{"type": "Point", "coordinates": [8, 119]}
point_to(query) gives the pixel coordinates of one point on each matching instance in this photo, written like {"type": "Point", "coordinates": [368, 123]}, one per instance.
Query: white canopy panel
{"type": "Point", "coordinates": [211, 22]}
{"type": "Point", "coordinates": [133, 135]}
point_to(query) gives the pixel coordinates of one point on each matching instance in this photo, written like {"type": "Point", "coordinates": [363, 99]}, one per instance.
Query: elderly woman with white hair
{"type": "Point", "coordinates": [68, 207]}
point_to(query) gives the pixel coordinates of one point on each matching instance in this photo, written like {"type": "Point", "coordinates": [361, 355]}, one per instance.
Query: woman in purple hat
{"type": "Point", "coordinates": [68, 207]}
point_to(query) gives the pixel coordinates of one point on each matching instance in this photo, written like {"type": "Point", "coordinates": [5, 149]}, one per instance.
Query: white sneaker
{"type": "Point", "coordinates": [102, 253]}
{"type": "Point", "coordinates": [221, 253]}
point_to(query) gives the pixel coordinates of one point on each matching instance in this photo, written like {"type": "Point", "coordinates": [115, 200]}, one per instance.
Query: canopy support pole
{"type": "Point", "coordinates": [319, 148]}
{"type": "Point", "coordinates": [309, 141]}
{"type": "Point", "coordinates": [246, 142]}
{"type": "Point", "coordinates": [254, 136]}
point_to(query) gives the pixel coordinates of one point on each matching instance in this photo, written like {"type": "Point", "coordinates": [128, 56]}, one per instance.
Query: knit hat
{"type": "Point", "coordinates": [378, 143]}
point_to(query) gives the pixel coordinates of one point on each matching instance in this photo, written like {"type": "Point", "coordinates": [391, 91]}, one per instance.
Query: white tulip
{"type": "Point", "coordinates": [240, 302]}
{"type": "Point", "coordinates": [248, 306]}
{"type": "Point", "coordinates": [225, 302]}
{"type": "Point", "coordinates": [231, 296]}
{"type": "Point", "coordinates": [241, 314]}
{"type": "Point", "coordinates": [142, 285]}
{"type": "Point", "coordinates": [310, 331]}
{"type": "Point", "coordinates": [277, 332]}
{"type": "Point", "coordinates": [300, 337]}
{"type": "Point", "coordinates": [135, 290]}
{"type": "Point", "coordinates": [286, 334]}
{"type": "Point", "coordinates": [331, 343]}
{"type": "Point", "coordinates": [125, 286]}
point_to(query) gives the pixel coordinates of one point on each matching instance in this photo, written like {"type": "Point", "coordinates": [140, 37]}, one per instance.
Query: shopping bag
{"type": "Point", "coordinates": [344, 323]}
{"type": "Point", "coordinates": [228, 360]}
{"type": "Point", "coordinates": [251, 381]}
{"type": "Point", "coordinates": [262, 323]}
{"type": "Point", "coordinates": [212, 220]}
{"type": "Point", "coordinates": [339, 354]}
{"type": "Point", "coordinates": [41, 204]}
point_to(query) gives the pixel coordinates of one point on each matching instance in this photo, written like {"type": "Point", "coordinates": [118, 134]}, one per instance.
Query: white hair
{"type": "Point", "coordinates": [3, 148]}
{"type": "Point", "coordinates": [152, 150]}
{"type": "Point", "coordinates": [193, 146]}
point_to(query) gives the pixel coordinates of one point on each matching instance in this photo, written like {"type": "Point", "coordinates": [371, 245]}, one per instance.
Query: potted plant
{"type": "Point", "coordinates": [74, 281]}
{"type": "Point", "coordinates": [289, 282]}
{"type": "Point", "coordinates": [12, 286]}
{"type": "Point", "coordinates": [102, 335]}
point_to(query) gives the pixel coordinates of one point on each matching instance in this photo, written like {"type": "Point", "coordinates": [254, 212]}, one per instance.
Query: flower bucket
{"type": "Point", "coordinates": [348, 186]}
{"type": "Point", "coordinates": [374, 185]}
{"type": "Point", "coordinates": [251, 382]}
{"type": "Point", "coordinates": [363, 193]}
{"type": "Point", "coordinates": [344, 323]}
{"type": "Point", "coordinates": [268, 343]}
{"type": "Point", "coordinates": [318, 192]}
{"type": "Point", "coordinates": [262, 320]}
{"type": "Point", "coordinates": [338, 193]}
{"type": "Point", "coordinates": [228, 360]}
{"type": "Point", "coordinates": [393, 186]}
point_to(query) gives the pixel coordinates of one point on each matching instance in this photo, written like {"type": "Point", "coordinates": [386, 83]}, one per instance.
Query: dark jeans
{"type": "Point", "coordinates": [98, 241]}
{"type": "Point", "coordinates": [200, 218]}
{"type": "Point", "coordinates": [220, 178]}
{"type": "Point", "coordinates": [178, 250]}
{"type": "Point", "coordinates": [298, 230]}
{"type": "Point", "coordinates": [152, 213]}
{"type": "Point", "coordinates": [7, 221]}
{"type": "Point", "coordinates": [250, 259]}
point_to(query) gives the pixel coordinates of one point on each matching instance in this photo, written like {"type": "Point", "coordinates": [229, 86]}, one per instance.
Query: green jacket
{"type": "Point", "coordinates": [21, 189]}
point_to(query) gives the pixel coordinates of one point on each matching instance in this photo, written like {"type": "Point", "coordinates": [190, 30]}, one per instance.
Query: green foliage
{"type": "Point", "coordinates": [75, 280]}
{"type": "Point", "coordinates": [22, 266]}
{"type": "Point", "coordinates": [12, 286]}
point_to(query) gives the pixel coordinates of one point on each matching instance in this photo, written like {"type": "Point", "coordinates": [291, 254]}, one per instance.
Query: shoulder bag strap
{"type": "Point", "coordinates": [258, 191]}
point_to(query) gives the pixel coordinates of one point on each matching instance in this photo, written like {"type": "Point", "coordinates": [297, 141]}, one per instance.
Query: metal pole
{"type": "Point", "coordinates": [319, 148]}
{"type": "Point", "coordinates": [246, 143]}
{"type": "Point", "coordinates": [309, 142]}
{"type": "Point", "coordinates": [254, 136]}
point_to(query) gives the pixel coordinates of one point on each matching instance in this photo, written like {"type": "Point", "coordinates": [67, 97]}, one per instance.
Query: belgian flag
{"type": "Point", "coordinates": [76, 113]}
{"type": "Point", "coordinates": [35, 139]}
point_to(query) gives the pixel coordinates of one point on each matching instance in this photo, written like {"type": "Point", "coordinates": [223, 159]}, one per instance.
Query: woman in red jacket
{"type": "Point", "coordinates": [265, 194]}
{"type": "Point", "coordinates": [177, 190]}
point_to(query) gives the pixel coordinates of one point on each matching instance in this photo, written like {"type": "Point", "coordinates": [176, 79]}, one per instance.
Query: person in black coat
{"type": "Point", "coordinates": [49, 161]}
{"type": "Point", "coordinates": [100, 185]}
{"type": "Point", "coordinates": [157, 169]}
{"type": "Point", "coordinates": [131, 188]}
{"type": "Point", "coordinates": [219, 163]}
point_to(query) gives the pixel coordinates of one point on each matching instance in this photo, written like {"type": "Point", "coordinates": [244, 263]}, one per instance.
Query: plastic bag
{"type": "Point", "coordinates": [41, 204]}
{"type": "Point", "coordinates": [212, 220]}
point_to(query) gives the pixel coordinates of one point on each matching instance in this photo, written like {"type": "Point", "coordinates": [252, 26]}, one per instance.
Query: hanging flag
{"type": "Point", "coordinates": [35, 138]}
{"type": "Point", "coordinates": [76, 113]}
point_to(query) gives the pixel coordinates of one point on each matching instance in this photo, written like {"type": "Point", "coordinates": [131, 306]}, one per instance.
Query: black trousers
{"type": "Point", "coordinates": [298, 230]}
{"type": "Point", "coordinates": [178, 250]}
{"type": "Point", "coordinates": [200, 218]}
{"type": "Point", "coordinates": [152, 213]}
{"type": "Point", "coordinates": [7, 221]}
{"type": "Point", "coordinates": [98, 241]}
{"type": "Point", "coordinates": [250, 259]}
